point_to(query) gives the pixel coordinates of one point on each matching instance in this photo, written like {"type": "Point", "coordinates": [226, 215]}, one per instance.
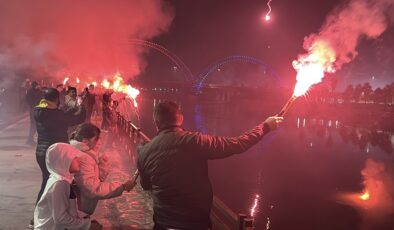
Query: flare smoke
{"type": "Point", "coordinates": [347, 24]}
{"type": "Point", "coordinates": [89, 37]}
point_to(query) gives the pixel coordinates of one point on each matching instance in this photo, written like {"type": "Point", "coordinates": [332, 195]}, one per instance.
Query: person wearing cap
{"type": "Point", "coordinates": [174, 166]}
{"type": "Point", "coordinates": [52, 124]}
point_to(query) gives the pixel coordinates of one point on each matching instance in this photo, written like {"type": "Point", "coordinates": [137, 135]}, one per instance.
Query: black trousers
{"type": "Point", "coordinates": [45, 175]}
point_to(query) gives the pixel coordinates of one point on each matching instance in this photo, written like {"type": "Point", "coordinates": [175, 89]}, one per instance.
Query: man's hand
{"type": "Point", "coordinates": [273, 122]}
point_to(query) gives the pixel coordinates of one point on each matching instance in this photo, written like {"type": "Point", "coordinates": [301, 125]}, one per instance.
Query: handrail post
{"type": "Point", "coordinates": [245, 222]}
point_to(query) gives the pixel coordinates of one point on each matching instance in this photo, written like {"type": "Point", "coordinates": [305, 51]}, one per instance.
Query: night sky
{"type": "Point", "coordinates": [205, 31]}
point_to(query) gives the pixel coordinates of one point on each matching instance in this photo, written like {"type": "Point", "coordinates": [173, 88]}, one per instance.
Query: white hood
{"type": "Point", "coordinates": [58, 161]}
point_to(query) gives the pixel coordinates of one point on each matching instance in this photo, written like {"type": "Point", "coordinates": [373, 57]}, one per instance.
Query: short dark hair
{"type": "Point", "coordinates": [70, 88]}
{"type": "Point", "coordinates": [85, 131]}
{"type": "Point", "coordinates": [50, 94]}
{"type": "Point", "coordinates": [166, 112]}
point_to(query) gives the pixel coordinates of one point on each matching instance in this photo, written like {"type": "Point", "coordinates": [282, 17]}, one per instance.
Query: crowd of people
{"type": "Point", "coordinates": [74, 173]}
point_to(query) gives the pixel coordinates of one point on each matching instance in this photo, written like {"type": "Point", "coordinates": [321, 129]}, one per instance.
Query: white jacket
{"type": "Point", "coordinates": [91, 187]}
{"type": "Point", "coordinates": [56, 210]}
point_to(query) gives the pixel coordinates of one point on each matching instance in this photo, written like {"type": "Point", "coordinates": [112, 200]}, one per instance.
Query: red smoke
{"type": "Point", "coordinates": [349, 23]}
{"type": "Point", "coordinates": [85, 38]}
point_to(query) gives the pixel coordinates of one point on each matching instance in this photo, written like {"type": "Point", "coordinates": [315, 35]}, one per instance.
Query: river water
{"type": "Point", "coordinates": [311, 173]}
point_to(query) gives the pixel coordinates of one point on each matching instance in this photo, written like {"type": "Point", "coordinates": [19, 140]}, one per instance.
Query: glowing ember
{"type": "Point", "coordinates": [312, 66]}
{"type": "Point", "coordinates": [365, 196]}
{"type": "Point", "coordinates": [78, 80]}
{"type": "Point", "coordinates": [65, 80]}
{"type": "Point", "coordinates": [267, 16]}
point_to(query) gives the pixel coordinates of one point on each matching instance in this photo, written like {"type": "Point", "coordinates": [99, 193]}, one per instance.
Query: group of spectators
{"type": "Point", "coordinates": [173, 165]}
{"type": "Point", "coordinates": [66, 143]}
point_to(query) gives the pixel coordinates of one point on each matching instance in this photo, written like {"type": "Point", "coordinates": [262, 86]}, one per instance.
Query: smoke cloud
{"type": "Point", "coordinates": [84, 38]}
{"type": "Point", "coordinates": [347, 24]}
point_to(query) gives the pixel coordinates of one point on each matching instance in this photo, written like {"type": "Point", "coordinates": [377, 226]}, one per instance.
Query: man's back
{"type": "Point", "coordinates": [174, 166]}
{"type": "Point", "coordinates": [178, 177]}
{"type": "Point", "coordinates": [52, 126]}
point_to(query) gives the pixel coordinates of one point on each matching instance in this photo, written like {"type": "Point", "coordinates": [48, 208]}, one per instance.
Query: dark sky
{"type": "Point", "coordinates": [207, 30]}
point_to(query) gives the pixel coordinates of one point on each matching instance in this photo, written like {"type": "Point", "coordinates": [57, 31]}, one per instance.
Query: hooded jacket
{"type": "Point", "coordinates": [90, 180]}
{"type": "Point", "coordinates": [57, 208]}
{"type": "Point", "coordinates": [174, 165]}
{"type": "Point", "coordinates": [52, 125]}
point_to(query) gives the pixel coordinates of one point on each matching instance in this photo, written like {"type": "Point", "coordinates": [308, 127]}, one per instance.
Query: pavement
{"type": "Point", "coordinates": [20, 179]}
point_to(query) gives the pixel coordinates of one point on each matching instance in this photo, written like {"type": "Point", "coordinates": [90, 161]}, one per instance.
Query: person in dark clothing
{"type": "Point", "coordinates": [88, 101]}
{"type": "Point", "coordinates": [174, 166]}
{"type": "Point", "coordinates": [52, 124]}
{"type": "Point", "coordinates": [33, 97]}
{"type": "Point", "coordinates": [108, 124]}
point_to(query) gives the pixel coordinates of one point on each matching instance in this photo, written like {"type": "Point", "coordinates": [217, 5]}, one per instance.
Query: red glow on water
{"type": "Point", "coordinates": [255, 204]}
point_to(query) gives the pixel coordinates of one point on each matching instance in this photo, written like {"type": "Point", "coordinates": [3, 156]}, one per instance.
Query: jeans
{"type": "Point", "coordinates": [45, 174]}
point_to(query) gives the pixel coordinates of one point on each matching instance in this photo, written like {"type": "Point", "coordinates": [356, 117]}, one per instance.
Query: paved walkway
{"type": "Point", "coordinates": [20, 179]}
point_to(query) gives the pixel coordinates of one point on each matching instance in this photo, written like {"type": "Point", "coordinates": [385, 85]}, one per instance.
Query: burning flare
{"type": "Point", "coordinates": [364, 196]}
{"type": "Point", "coordinates": [312, 66]}
{"type": "Point", "coordinates": [310, 69]}
{"type": "Point", "coordinates": [119, 87]}
{"type": "Point", "coordinates": [65, 80]}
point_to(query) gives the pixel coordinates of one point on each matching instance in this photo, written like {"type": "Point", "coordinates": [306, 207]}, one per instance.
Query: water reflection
{"type": "Point", "coordinates": [364, 138]}
{"type": "Point", "coordinates": [292, 178]}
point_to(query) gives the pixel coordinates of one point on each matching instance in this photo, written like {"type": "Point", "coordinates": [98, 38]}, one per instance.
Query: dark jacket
{"type": "Point", "coordinates": [174, 165]}
{"type": "Point", "coordinates": [52, 126]}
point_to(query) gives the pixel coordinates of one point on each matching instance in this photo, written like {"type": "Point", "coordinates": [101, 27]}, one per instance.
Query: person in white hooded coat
{"type": "Point", "coordinates": [90, 180]}
{"type": "Point", "coordinates": [57, 207]}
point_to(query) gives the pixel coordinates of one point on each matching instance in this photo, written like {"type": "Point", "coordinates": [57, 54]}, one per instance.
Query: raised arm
{"type": "Point", "coordinates": [214, 147]}
{"type": "Point", "coordinates": [74, 118]}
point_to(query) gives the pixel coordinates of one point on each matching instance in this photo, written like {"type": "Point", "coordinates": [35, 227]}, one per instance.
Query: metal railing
{"type": "Point", "coordinates": [222, 217]}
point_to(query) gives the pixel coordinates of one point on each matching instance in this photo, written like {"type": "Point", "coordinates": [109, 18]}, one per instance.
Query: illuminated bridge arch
{"type": "Point", "coordinates": [235, 58]}
{"type": "Point", "coordinates": [175, 59]}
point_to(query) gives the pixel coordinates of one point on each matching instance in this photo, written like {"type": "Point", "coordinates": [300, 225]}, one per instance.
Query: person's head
{"type": "Point", "coordinates": [87, 133]}
{"type": "Point", "coordinates": [107, 97]}
{"type": "Point", "coordinates": [72, 92]}
{"type": "Point", "coordinates": [91, 87]}
{"type": "Point", "coordinates": [51, 94]}
{"type": "Point", "coordinates": [59, 87]}
{"type": "Point", "coordinates": [34, 85]}
{"type": "Point", "coordinates": [167, 113]}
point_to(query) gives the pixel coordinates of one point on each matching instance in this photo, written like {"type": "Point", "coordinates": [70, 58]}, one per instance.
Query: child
{"type": "Point", "coordinates": [57, 208]}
